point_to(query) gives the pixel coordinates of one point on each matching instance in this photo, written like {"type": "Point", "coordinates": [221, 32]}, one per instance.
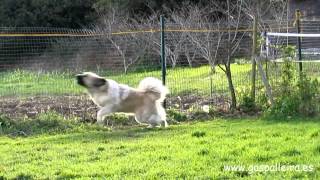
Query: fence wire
{"type": "Point", "coordinates": [37, 65]}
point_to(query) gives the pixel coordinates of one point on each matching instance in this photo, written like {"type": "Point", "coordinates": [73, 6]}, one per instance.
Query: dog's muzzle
{"type": "Point", "coordinates": [80, 80]}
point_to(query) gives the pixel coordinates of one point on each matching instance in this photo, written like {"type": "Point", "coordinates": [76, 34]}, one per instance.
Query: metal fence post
{"type": "Point", "coordinates": [298, 16]}
{"type": "Point", "coordinates": [163, 54]}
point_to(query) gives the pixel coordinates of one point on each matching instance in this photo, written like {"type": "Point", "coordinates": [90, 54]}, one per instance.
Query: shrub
{"type": "Point", "coordinates": [295, 96]}
{"type": "Point", "coordinates": [5, 124]}
{"type": "Point", "coordinates": [308, 90]}
{"type": "Point", "coordinates": [201, 113]}
{"type": "Point", "coordinates": [246, 103]}
{"type": "Point", "coordinates": [176, 115]}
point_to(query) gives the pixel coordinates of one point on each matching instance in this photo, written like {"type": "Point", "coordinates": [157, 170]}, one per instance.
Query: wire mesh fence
{"type": "Point", "coordinates": [37, 65]}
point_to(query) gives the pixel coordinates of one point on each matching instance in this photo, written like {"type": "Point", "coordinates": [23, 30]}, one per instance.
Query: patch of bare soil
{"type": "Point", "coordinates": [79, 106]}
{"type": "Point", "coordinates": [187, 102]}
{"type": "Point", "coordinates": [84, 109]}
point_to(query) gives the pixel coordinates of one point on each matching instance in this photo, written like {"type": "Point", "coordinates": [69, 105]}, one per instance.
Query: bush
{"type": "Point", "coordinates": [295, 96]}
{"type": "Point", "coordinates": [246, 103]}
{"type": "Point", "coordinates": [5, 124]}
{"type": "Point", "coordinates": [176, 115]}
{"type": "Point", "coordinates": [308, 90]}
{"type": "Point", "coordinates": [284, 107]}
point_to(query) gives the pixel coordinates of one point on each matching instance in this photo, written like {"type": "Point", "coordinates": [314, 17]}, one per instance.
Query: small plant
{"type": "Point", "coordinates": [198, 112]}
{"type": "Point", "coordinates": [262, 99]}
{"type": "Point", "coordinates": [198, 134]}
{"type": "Point", "coordinates": [117, 118]}
{"type": "Point", "coordinates": [308, 90]}
{"type": "Point", "coordinates": [4, 124]}
{"type": "Point", "coordinates": [246, 103]}
{"type": "Point", "coordinates": [288, 71]}
{"type": "Point", "coordinates": [176, 115]}
{"type": "Point", "coordinates": [203, 152]}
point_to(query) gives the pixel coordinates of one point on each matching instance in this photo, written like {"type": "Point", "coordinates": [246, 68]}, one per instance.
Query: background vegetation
{"type": "Point", "coordinates": [73, 13]}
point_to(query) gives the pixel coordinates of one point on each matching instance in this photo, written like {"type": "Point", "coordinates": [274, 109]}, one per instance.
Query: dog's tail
{"type": "Point", "coordinates": [154, 87]}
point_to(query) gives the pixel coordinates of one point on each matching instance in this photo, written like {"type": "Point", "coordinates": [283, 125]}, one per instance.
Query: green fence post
{"type": "Point", "coordinates": [163, 54]}
{"type": "Point", "coordinates": [298, 16]}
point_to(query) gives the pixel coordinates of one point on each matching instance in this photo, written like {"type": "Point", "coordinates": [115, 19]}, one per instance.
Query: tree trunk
{"type": "Point", "coordinates": [253, 56]}
{"type": "Point", "coordinates": [231, 87]}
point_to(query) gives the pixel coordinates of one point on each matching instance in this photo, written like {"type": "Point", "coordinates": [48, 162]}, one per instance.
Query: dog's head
{"type": "Point", "coordinates": [90, 80]}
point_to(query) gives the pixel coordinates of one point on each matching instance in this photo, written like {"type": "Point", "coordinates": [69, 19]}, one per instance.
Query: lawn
{"type": "Point", "coordinates": [179, 80]}
{"type": "Point", "coordinates": [201, 150]}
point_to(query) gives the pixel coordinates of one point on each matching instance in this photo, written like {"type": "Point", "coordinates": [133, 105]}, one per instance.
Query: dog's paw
{"type": "Point", "coordinates": [153, 126]}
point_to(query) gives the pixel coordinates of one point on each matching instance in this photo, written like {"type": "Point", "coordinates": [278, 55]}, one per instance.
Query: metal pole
{"type": "Point", "coordinates": [298, 16]}
{"type": "Point", "coordinates": [163, 54]}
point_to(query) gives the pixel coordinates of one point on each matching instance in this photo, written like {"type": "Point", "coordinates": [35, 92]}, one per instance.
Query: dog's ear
{"type": "Point", "coordinates": [99, 82]}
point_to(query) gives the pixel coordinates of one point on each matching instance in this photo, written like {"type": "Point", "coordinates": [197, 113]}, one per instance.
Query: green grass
{"type": "Point", "coordinates": [179, 80]}
{"type": "Point", "coordinates": [196, 150]}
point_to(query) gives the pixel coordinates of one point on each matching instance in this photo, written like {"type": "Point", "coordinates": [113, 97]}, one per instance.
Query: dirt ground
{"type": "Point", "coordinates": [83, 108]}
{"type": "Point", "coordinates": [79, 106]}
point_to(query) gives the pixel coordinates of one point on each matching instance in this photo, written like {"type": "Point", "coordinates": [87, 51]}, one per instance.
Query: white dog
{"type": "Point", "coordinates": [144, 101]}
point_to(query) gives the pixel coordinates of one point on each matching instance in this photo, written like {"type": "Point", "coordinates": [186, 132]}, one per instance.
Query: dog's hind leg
{"type": "Point", "coordinates": [154, 121]}
{"type": "Point", "coordinates": [102, 113]}
{"type": "Point", "coordinates": [165, 123]}
{"type": "Point", "coordinates": [163, 116]}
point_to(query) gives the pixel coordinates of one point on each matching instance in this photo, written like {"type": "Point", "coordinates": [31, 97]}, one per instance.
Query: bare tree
{"type": "Point", "coordinates": [203, 33]}
{"type": "Point", "coordinates": [216, 33]}
{"type": "Point", "coordinates": [233, 15]}
{"type": "Point", "coordinates": [189, 51]}
{"type": "Point", "coordinates": [129, 45]}
{"type": "Point", "coordinates": [174, 40]}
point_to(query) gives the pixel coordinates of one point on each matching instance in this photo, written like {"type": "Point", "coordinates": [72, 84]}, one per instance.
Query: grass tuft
{"type": "Point", "coordinates": [242, 174]}
{"type": "Point", "coordinates": [198, 134]}
{"type": "Point", "coordinates": [292, 152]}
{"type": "Point", "coordinates": [24, 177]}
{"type": "Point", "coordinates": [203, 152]}
{"type": "Point", "coordinates": [101, 149]}
{"type": "Point", "coordinates": [317, 149]}
{"type": "Point", "coordinates": [315, 134]}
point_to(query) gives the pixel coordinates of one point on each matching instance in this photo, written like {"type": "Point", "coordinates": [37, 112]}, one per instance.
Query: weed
{"type": "Point", "coordinates": [198, 134]}
{"type": "Point", "coordinates": [176, 115]}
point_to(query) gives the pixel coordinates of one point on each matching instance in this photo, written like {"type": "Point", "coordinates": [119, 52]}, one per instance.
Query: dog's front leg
{"type": "Point", "coordinates": [102, 113]}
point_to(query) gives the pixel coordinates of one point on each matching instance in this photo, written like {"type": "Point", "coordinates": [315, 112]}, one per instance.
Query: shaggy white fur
{"type": "Point", "coordinates": [145, 101]}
